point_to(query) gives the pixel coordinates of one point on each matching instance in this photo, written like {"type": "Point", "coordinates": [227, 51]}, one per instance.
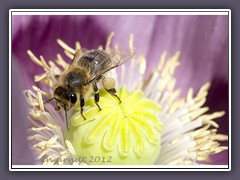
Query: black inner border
{"type": "Point", "coordinates": [116, 15]}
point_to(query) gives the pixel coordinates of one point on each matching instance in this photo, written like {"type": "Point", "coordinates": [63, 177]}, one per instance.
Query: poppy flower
{"type": "Point", "coordinates": [177, 128]}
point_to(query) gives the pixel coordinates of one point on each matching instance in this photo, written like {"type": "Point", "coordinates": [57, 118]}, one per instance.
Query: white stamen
{"type": "Point", "coordinates": [65, 46]}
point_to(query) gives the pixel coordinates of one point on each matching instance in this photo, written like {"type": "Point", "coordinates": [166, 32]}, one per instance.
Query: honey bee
{"type": "Point", "coordinates": [80, 80]}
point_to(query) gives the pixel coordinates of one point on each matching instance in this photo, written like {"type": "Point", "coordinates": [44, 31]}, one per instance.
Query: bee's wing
{"type": "Point", "coordinates": [77, 55]}
{"type": "Point", "coordinates": [117, 58]}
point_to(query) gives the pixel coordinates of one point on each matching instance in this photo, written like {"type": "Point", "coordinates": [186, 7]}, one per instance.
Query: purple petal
{"type": "Point", "coordinates": [39, 34]}
{"type": "Point", "coordinates": [220, 158]}
{"type": "Point", "coordinates": [203, 42]}
{"type": "Point", "coordinates": [21, 153]}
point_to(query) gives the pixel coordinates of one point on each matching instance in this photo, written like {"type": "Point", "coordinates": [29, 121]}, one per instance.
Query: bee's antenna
{"type": "Point", "coordinates": [50, 100]}
{"type": "Point", "coordinates": [66, 117]}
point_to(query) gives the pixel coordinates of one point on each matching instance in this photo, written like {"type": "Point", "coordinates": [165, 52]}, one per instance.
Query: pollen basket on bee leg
{"type": "Point", "coordinates": [108, 83]}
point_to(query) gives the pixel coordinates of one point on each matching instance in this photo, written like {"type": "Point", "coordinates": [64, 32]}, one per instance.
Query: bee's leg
{"type": "Point", "coordinates": [96, 95]}
{"type": "Point", "coordinates": [58, 107]}
{"type": "Point", "coordinates": [66, 118]}
{"type": "Point", "coordinates": [82, 105]}
{"type": "Point", "coordinates": [109, 84]}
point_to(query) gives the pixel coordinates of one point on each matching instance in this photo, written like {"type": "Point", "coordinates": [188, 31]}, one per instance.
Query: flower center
{"type": "Point", "coordinates": [127, 129]}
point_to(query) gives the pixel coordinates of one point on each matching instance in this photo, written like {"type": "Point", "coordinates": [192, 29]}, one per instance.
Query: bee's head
{"type": "Point", "coordinates": [66, 97]}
